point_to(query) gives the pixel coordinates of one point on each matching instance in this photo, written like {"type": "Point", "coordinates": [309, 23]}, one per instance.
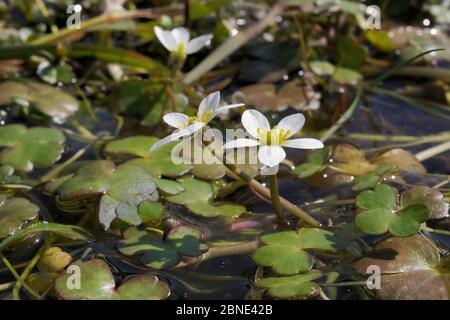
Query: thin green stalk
{"type": "Point", "coordinates": [87, 25]}
{"type": "Point", "coordinates": [379, 81]}
{"type": "Point", "coordinates": [55, 171]}
{"type": "Point", "coordinates": [17, 276]}
{"type": "Point", "coordinates": [26, 272]}
{"type": "Point", "coordinates": [236, 172]}
{"type": "Point", "coordinates": [438, 231]}
{"type": "Point", "coordinates": [275, 196]}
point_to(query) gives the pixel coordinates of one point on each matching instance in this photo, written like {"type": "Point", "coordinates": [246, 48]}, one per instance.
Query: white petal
{"type": "Point", "coordinates": [293, 123]}
{"type": "Point", "coordinates": [166, 38]}
{"type": "Point", "coordinates": [253, 120]}
{"type": "Point", "coordinates": [241, 143]}
{"type": "Point", "coordinates": [306, 143]}
{"type": "Point", "coordinates": [209, 102]}
{"type": "Point", "coordinates": [175, 119]}
{"type": "Point", "coordinates": [197, 43]}
{"type": "Point", "coordinates": [189, 130]}
{"type": "Point", "coordinates": [271, 155]}
{"type": "Point", "coordinates": [229, 106]}
{"type": "Point", "coordinates": [181, 35]}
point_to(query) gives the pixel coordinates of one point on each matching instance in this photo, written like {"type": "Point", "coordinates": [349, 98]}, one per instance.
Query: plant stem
{"type": "Point", "coordinates": [17, 276]}
{"type": "Point", "coordinates": [438, 231]}
{"type": "Point", "coordinates": [88, 24]}
{"type": "Point", "coordinates": [26, 272]}
{"type": "Point", "coordinates": [275, 196]}
{"type": "Point", "coordinates": [266, 193]}
{"type": "Point", "coordinates": [55, 171]}
{"type": "Point", "coordinates": [433, 151]}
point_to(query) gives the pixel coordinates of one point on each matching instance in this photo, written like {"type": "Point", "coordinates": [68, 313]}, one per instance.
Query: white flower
{"type": "Point", "coordinates": [273, 140]}
{"type": "Point", "coordinates": [187, 126]}
{"type": "Point", "coordinates": [178, 41]}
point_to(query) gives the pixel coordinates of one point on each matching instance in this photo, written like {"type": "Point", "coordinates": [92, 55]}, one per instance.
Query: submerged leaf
{"type": "Point", "coordinates": [121, 189]}
{"type": "Point", "coordinates": [27, 149]}
{"type": "Point", "coordinates": [410, 269]}
{"type": "Point", "coordinates": [198, 198]}
{"type": "Point", "coordinates": [14, 212]}
{"type": "Point", "coordinates": [52, 102]}
{"type": "Point", "coordinates": [297, 286]}
{"type": "Point", "coordinates": [97, 283]}
{"type": "Point", "coordinates": [157, 253]}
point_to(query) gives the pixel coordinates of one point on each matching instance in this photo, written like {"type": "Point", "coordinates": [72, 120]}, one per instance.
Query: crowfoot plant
{"type": "Point", "coordinates": [271, 142]}
{"type": "Point", "coordinates": [258, 126]}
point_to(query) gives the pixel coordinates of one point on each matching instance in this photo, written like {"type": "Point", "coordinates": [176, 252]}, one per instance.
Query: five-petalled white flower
{"type": "Point", "coordinates": [178, 41]}
{"type": "Point", "coordinates": [187, 126]}
{"type": "Point", "coordinates": [272, 140]}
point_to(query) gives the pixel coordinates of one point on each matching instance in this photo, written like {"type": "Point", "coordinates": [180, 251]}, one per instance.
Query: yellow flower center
{"type": "Point", "coordinates": [191, 120]}
{"type": "Point", "coordinates": [273, 137]}
{"type": "Point", "coordinates": [180, 52]}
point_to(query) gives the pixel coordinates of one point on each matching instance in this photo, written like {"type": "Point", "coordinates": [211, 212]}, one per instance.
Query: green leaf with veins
{"type": "Point", "coordinates": [121, 189]}
{"type": "Point", "coordinates": [14, 212]}
{"type": "Point", "coordinates": [285, 252]}
{"type": "Point", "coordinates": [97, 283]}
{"type": "Point", "coordinates": [379, 213]}
{"type": "Point", "coordinates": [198, 198]}
{"type": "Point", "coordinates": [160, 254]}
{"type": "Point", "coordinates": [297, 286]}
{"type": "Point", "coordinates": [26, 149]}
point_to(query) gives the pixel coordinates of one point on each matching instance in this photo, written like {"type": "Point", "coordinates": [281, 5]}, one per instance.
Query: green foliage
{"type": "Point", "coordinates": [370, 180]}
{"type": "Point", "coordinates": [121, 189]}
{"type": "Point", "coordinates": [285, 252]}
{"type": "Point", "coordinates": [198, 198]}
{"type": "Point", "coordinates": [97, 283]}
{"type": "Point", "coordinates": [297, 286]}
{"type": "Point", "coordinates": [14, 212]}
{"type": "Point", "coordinates": [26, 149]}
{"type": "Point", "coordinates": [315, 162]}
{"type": "Point", "coordinates": [380, 213]}
{"type": "Point", "coordinates": [52, 102]}
{"type": "Point", "coordinates": [158, 253]}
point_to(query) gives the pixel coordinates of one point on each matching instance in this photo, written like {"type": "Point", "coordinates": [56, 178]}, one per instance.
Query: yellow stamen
{"type": "Point", "coordinates": [191, 120]}
{"type": "Point", "coordinates": [273, 137]}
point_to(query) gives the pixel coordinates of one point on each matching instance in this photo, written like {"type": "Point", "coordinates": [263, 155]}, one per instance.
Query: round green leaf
{"type": "Point", "coordinates": [121, 189]}
{"type": "Point", "coordinates": [297, 286]}
{"type": "Point", "coordinates": [27, 149]}
{"type": "Point", "coordinates": [97, 283]}
{"type": "Point", "coordinates": [407, 221]}
{"type": "Point", "coordinates": [285, 251]}
{"type": "Point", "coordinates": [152, 250]}
{"type": "Point", "coordinates": [198, 198]}
{"type": "Point", "coordinates": [410, 269]}
{"type": "Point", "coordinates": [14, 212]}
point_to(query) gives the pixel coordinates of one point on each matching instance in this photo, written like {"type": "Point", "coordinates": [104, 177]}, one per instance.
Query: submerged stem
{"type": "Point", "coordinates": [17, 276]}
{"type": "Point", "coordinates": [275, 196]}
